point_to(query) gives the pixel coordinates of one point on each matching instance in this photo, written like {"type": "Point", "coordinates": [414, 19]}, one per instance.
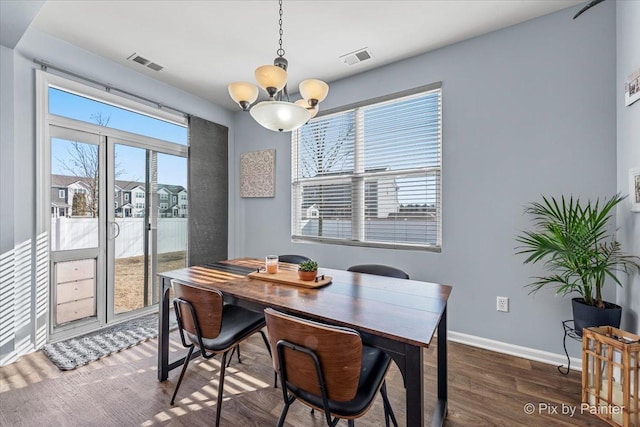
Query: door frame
{"type": "Point", "coordinates": [98, 253]}
{"type": "Point", "coordinates": [108, 137]}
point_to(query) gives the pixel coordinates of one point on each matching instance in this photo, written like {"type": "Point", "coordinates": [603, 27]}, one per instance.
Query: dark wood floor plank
{"type": "Point", "coordinates": [485, 389]}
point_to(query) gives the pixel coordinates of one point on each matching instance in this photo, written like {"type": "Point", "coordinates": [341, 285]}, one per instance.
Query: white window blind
{"type": "Point", "coordinates": [370, 175]}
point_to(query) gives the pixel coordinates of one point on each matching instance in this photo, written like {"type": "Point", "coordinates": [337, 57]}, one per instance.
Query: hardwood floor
{"type": "Point", "coordinates": [485, 389]}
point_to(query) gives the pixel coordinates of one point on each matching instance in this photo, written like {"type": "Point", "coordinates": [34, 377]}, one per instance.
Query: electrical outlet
{"type": "Point", "coordinates": [502, 304]}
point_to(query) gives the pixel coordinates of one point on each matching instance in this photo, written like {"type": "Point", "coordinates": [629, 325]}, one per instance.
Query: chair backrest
{"type": "Point", "coordinates": [293, 259]}
{"type": "Point", "coordinates": [379, 270]}
{"type": "Point", "coordinates": [207, 305]}
{"type": "Point", "coordinates": [338, 349]}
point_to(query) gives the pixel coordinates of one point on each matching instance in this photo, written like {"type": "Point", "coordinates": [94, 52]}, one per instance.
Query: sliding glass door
{"type": "Point", "coordinates": [116, 203]}
{"type": "Point", "coordinates": [119, 212]}
{"type": "Point", "coordinates": [78, 235]}
{"type": "Point", "coordinates": [149, 222]}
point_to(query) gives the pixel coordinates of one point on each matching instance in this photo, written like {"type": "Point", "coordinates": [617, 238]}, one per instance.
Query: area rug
{"type": "Point", "coordinates": [84, 349]}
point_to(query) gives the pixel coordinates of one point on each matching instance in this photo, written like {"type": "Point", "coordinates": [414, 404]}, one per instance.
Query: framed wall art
{"type": "Point", "coordinates": [634, 189]}
{"type": "Point", "coordinates": [258, 173]}
{"type": "Point", "coordinates": [632, 88]}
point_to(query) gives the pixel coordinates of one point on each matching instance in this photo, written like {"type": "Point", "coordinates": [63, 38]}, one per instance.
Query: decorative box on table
{"type": "Point", "coordinates": [610, 375]}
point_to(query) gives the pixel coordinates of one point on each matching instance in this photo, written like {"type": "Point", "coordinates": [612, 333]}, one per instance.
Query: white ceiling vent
{"type": "Point", "coordinates": [154, 66]}
{"type": "Point", "coordinates": [356, 57]}
{"type": "Point", "coordinates": [144, 61]}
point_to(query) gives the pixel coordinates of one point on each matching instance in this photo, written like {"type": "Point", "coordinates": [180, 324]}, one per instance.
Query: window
{"type": "Point", "coordinates": [140, 195]}
{"type": "Point", "coordinates": [175, 199]}
{"type": "Point", "coordinates": [126, 197]}
{"type": "Point", "coordinates": [164, 196]}
{"type": "Point", "coordinates": [61, 194]}
{"type": "Point", "coordinates": [164, 205]}
{"type": "Point", "coordinates": [67, 104]}
{"type": "Point", "coordinates": [369, 175]}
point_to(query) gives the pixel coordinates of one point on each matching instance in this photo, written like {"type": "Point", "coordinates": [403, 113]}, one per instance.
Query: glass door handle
{"type": "Point", "coordinates": [116, 229]}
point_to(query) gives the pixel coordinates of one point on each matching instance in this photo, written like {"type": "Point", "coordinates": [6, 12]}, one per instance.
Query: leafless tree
{"type": "Point", "coordinates": [325, 148]}
{"type": "Point", "coordinates": [83, 162]}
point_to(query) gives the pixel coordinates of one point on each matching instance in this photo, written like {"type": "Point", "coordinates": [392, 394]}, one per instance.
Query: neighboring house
{"type": "Point", "coordinates": [334, 200]}
{"type": "Point", "coordinates": [183, 202]}
{"type": "Point", "coordinates": [59, 205]}
{"type": "Point", "coordinates": [63, 189]}
{"type": "Point", "coordinates": [129, 198]}
{"type": "Point", "coordinates": [125, 208]}
{"type": "Point", "coordinates": [313, 211]}
{"type": "Point", "coordinates": [172, 201]}
{"type": "Point", "coordinates": [381, 197]}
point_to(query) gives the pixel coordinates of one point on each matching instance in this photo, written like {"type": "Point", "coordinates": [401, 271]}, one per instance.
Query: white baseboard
{"type": "Point", "coordinates": [515, 350]}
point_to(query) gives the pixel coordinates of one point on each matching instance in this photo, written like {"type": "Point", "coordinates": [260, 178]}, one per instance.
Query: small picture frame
{"type": "Point", "coordinates": [634, 189]}
{"type": "Point", "coordinates": [632, 88]}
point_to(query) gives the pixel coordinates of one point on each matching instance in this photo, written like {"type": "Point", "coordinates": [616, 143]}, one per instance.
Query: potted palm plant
{"type": "Point", "coordinates": [572, 240]}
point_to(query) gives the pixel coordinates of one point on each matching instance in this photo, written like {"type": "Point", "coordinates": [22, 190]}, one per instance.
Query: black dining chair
{"type": "Point", "coordinates": [205, 322]}
{"type": "Point", "coordinates": [293, 259]}
{"type": "Point", "coordinates": [327, 368]}
{"type": "Point", "coordinates": [379, 270]}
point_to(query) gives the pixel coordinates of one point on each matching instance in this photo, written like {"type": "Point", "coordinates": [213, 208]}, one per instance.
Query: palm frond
{"type": "Point", "coordinates": [572, 241]}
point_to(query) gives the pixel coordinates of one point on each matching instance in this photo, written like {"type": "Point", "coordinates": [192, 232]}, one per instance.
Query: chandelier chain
{"type": "Point", "coordinates": [280, 51]}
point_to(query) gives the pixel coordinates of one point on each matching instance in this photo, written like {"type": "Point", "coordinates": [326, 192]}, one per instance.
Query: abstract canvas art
{"type": "Point", "coordinates": [258, 173]}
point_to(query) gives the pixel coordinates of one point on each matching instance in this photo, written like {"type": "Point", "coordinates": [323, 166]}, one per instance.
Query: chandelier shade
{"type": "Point", "coordinates": [313, 90]}
{"type": "Point", "coordinates": [279, 113]}
{"type": "Point", "coordinates": [270, 76]}
{"type": "Point", "coordinates": [243, 92]}
{"type": "Point", "coordinates": [280, 116]}
{"type": "Point", "coordinates": [304, 104]}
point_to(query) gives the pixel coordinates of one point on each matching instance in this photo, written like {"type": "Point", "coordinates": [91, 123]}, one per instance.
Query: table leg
{"type": "Point", "coordinates": [440, 412]}
{"type": "Point", "coordinates": [414, 385]}
{"type": "Point", "coordinates": [163, 331]}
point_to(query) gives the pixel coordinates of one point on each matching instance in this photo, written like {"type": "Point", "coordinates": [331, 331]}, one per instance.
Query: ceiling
{"type": "Point", "coordinates": [204, 45]}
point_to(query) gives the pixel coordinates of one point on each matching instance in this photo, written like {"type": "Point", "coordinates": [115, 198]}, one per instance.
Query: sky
{"type": "Point", "coordinates": [130, 160]}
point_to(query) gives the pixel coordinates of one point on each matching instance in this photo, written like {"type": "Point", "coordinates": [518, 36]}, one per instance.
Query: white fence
{"type": "Point", "coordinates": [80, 233]}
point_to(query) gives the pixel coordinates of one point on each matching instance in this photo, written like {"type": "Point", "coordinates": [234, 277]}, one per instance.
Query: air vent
{"type": "Point", "coordinates": [141, 60]}
{"type": "Point", "coordinates": [155, 67]}
{"type": "Point", "coordinates": [144, 61]}
{"type": "Point", "coordinates": [356, 57]}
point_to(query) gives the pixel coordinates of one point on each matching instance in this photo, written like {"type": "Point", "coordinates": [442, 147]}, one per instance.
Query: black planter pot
{"type": "Point", "coordinates": [585, 316]}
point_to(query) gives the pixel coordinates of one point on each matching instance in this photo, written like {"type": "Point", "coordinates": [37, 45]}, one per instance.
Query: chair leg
{"type": "Point", "coordinates": [223, 367]}
{"type": "Point", "coordinates": [351, 423]}
{"type": "Point", "coordinates": [184, 369]}
{"type": "Point", "coordinates": [234, 350]}
{"type": "Point", "coordinates": [266, 343]}
{"type": "Point", "coordinates": [283, 414]}
{"type": "Point", "coordinates": [388, 410]}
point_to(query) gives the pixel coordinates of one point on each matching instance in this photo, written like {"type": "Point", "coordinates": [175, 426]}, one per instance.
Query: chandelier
{"type": "Point", "coordinates": [279, 113]}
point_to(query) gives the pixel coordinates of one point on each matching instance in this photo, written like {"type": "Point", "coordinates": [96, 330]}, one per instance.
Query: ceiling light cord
{"type": "Point", "coordinates": [280, 51]}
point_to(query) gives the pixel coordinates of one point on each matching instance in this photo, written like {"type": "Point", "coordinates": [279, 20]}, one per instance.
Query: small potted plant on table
{"type": "Point", "coordinates": [308, 270]}
{"type": "Point", "coordinates": [572, 240]}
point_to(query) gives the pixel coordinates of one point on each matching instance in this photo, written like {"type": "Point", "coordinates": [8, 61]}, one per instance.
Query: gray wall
{"type": "Point", "coordinates": [527, 110]}
{"type": "Point", "coordinates": [6, 149]}
{"type": "Point", "coordinates": [628, 55]}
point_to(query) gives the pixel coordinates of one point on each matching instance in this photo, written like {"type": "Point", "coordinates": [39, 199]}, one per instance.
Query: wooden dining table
{"type": "Point", "coordinates": [398, 316]}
